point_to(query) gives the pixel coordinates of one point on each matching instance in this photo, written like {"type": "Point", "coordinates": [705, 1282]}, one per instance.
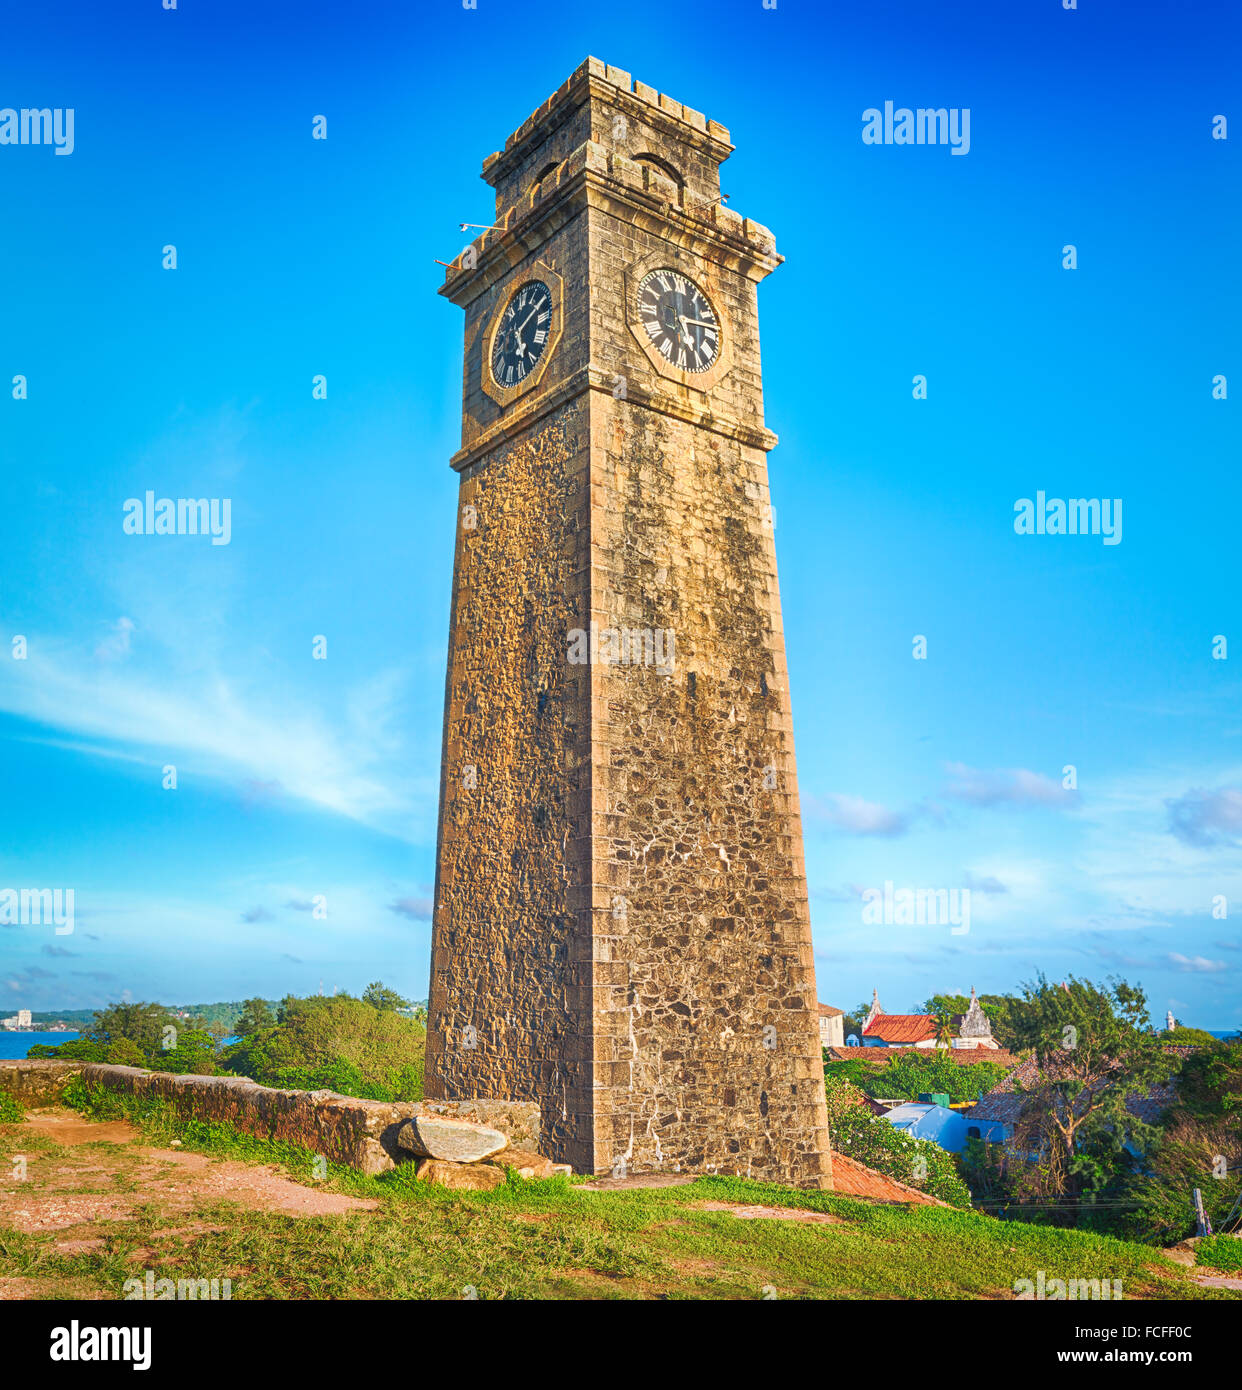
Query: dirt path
{"type": "Point", "coordinates": [102, 1172]}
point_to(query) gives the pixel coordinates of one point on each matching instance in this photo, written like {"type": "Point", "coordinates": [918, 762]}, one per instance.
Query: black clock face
{"type": "Point", "coordinates": [679, 320]}
{"type": "Point", "coordinates": [522, 334]}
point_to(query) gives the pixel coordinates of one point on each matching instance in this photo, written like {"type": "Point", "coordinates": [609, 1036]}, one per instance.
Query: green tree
{"type": "Point", "coordinates": [996, 1006]}
{"type": "Point", "coordinates": [852, 1022]}
{"type": "Point", "coordinates": [911, 1074]}
{"type": "Point", "coordinates": [1210, 1082]}
{"type": "Point", "coordinates": [193, 1052]}
{"type": "Point", "coordinates": [1199, 1145]}
{"type": "Point", "coordinates": [255, 1016]}
{"type": "Point", "coordinates": [1187, 1037]}
{"type": "Point", "coordinates": [379, 996]}
{"type": "Point", "coordinates": [943, 1022]}
{"type": "Point", "coordinates": [76, 1050]}
{"type": "Point", "coordinates": [141, 1024]}
{"type": "Point", "coordinates": [125, 1052]}
{"type": "Point", "coordinates": [335, 1043]}
{"type": "Point", "coordinates": [1093, 1051]}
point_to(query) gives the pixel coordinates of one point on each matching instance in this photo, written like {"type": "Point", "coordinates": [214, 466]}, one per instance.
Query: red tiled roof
{"type": "Point", "coordinates": [827, 1011]}
{"type": "Point", "coordinates": [959, 1056]}
{"type": "Point", "coordinates": [901, 1028]}
{"type": "Point", "coordinates": [852, 1179]}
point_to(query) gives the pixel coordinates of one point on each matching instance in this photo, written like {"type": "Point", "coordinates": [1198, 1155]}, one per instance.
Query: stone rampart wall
{"type": "Point", "coordinates": [359, 1133]}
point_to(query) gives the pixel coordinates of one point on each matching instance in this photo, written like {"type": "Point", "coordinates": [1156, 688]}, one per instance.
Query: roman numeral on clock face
{"type": "Point", "coordinates": [521, 333]}
{"type": "Point", "coordinates": [679, 319]}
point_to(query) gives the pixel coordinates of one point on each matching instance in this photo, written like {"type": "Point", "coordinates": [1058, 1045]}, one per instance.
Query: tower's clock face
{"type": "Point", "coordinates": [679, 319]}
{"type": "Point", "coordinates": [522, 334]}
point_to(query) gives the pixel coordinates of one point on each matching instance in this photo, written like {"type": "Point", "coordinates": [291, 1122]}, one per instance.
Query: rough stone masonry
{"type": "Point", "coordinates": [620, 927]}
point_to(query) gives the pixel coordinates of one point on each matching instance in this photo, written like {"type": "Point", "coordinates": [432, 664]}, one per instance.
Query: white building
{"type": "Point", "coordinates": [831, 1026]}
{"type": "Point", "coordinates": [21, 1019]}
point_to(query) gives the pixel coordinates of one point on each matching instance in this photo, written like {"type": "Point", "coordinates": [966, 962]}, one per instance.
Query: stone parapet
{"type": "Point", "coordinates": [360, 1134]}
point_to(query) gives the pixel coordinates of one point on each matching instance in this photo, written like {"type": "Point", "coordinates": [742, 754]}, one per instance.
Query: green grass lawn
{"type": "Point", "coordinates": [534, 1239]}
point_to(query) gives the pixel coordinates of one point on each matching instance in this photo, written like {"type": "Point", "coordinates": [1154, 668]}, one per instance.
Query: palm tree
{"type": "Point", "coordinates": [944, 1027]}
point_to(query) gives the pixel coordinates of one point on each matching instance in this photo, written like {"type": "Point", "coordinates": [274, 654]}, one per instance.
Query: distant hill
{"type": "Point", "coordinates": [224, 1012]}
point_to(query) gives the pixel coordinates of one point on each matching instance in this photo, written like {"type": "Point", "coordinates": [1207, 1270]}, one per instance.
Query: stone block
{"type": "Point", "coordinates": [461, 1177]}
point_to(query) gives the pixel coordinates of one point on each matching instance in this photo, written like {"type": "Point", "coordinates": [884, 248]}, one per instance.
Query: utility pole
{"type": "Point", "coordinates": [1204, 1226]}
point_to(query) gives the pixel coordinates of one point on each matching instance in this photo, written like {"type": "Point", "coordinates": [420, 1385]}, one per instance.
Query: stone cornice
{"type": "Point", "coordinates": [594, 176]}
{"type": "Point", "coordinates": [589, 378]}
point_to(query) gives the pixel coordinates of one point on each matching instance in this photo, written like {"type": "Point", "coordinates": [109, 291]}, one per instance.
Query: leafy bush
{"type": "Point", "coordinates": [870, 1140]}
{"type": "Point", "coordinates": [10, 1112]}
{"type": "Point", "coordinates": [126, 1053]}
{"type": "Point", "coordinates": [336, 1043]}
{"type": "Point", "coordinates": [909, 1074]}
{"type": "Point", "coordinates": [1186, 1037]}
{"type": "Point", "coordinates": [79, 1050]}
{"type": "Point", "coordinates": [1221, 1252]}
{"type": "Point", "coordinates": [1201, 1129]}
{"type": "Point", "coordinates": [140, 1035]}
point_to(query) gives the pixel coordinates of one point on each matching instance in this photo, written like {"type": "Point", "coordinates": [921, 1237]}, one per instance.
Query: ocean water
{"type": "Point", "coordinates": [18, 1044]}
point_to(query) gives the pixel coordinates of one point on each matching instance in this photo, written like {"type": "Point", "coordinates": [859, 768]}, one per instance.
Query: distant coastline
{"type": "Point", "coordinates": [16, 1044]}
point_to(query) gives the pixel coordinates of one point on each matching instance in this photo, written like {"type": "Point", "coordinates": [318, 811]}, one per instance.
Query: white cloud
{"type": "Point", "coordinates": [210, 724]}
{"type": "Point", "coordinates": [856, 816]}
{"type": "Point", "coordinates": [1016, 786]}
{"type": "Point", "coordinates": [1206, 818]}
{"type": "Point", "coordinates": [116, 644]}
{"type": "Point", "coordinates": [1198, 965]}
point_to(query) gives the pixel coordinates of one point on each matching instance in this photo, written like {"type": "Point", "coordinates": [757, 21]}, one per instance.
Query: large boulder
{"type": "Point", "coordinates": [463, 1177]}
{"type": "Point", "coordinates": [459, 1141]}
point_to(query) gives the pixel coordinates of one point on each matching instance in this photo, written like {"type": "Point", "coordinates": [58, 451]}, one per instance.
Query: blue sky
{"type": "Point", "coordinates": [298, 778]}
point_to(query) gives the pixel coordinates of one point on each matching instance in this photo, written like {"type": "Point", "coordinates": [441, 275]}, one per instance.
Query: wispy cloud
{"type": "Point", "coordinates": [416, 909]}
{"type": "Point", "coordinates": [208, 723]}
{"type": "Point", "coordinates": [1015, 786]}
{"type": "Point", "coordinates": [855, 816]}
{"type": "Point", "coordinates": [984, 883]}
{"type": "Point", "coordinates": [258, 914]}
{"type": "Point", "coordinates": [1207, 818]}
{"type": "Point", "coordinates": [1197, 965]}
{"type": "Point", "coordinates": [116, 644]}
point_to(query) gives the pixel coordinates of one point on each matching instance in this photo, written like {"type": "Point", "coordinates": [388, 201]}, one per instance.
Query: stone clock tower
{"type": "Point", "coordinates": [621, 927]}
